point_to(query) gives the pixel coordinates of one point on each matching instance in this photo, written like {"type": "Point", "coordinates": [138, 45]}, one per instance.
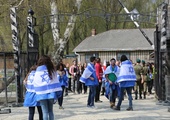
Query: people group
{"type": "Point", "coordinates": [46, 83]}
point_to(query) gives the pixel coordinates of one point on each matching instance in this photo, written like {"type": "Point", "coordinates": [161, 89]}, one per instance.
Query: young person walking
{"type": "Point", "coordinates": [126, 81]}
{"type": "Point", "coordinates": [61, 75]}
{"type": "Point", "coordinates": [111, 74]}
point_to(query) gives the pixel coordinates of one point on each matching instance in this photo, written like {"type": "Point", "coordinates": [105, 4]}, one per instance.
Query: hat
{"type": "Point", "coordinates": [143, 61]}
{"type": "Point", "coordinates": [138, 60]}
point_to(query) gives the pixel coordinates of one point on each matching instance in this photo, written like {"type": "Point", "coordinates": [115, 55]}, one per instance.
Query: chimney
{"type": "Point", "coordinates": [93, 32]}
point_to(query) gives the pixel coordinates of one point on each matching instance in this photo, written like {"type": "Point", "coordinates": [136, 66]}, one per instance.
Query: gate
{"type": "Point", "coordinates": [8, 80]}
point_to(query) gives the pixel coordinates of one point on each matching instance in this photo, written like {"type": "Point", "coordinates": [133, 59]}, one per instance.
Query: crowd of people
{"type": "Point", "coordinates": [47, 83]}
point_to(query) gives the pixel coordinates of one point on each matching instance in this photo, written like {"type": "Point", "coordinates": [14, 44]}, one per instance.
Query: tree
{"type": "Point", "coordinates": [60, 43]}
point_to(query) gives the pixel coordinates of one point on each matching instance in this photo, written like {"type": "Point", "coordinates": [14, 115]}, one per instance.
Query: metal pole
{"type": "Point", "coordinates": [5, 80]}
{"type": "Point", "coordinates": [157, 61]}
{"type": "Point", "coordinates": [167, 78]}
{"type": "Point", "coordinates": [137, 25]}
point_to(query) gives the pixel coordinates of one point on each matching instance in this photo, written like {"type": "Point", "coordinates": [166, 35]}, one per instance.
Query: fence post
{"type": "Point", "coordinates": [16, 48]}
{"type": "Point", "coordinates": [32, 40]}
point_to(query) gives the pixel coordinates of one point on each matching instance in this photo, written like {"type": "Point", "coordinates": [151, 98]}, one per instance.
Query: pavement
{"type": "Point", "coordinates": [75, 108]}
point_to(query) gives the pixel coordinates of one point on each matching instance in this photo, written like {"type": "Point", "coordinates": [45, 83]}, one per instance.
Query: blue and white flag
{"type": "Point", "coordinates": [87, 73]}
{"type": "Point", "coordinates": [109, 70]}
{"type": "Point", "coordinates": [108, 86]}
{"type": "Point", "coordinates": [43, 83]}
{"type": "Point", "coordinates": [127, 72]}
{"type": "Point", "coordinates": [29, 85]}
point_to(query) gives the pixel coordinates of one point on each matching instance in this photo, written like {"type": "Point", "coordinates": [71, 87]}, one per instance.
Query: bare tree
{"type": "Point", "coordinates": [60, 43]}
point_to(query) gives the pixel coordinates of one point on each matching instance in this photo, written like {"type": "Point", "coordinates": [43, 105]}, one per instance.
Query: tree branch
{"type": "Point", "coordinates": [19, 3]}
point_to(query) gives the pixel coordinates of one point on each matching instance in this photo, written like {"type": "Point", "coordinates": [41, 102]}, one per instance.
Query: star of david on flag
{"type": "Point", "coordinates": [45, 77]}
{"type": "Point", "coordinates": [31, 77]}
{"type": "Point", "coordinates": [131, 70]}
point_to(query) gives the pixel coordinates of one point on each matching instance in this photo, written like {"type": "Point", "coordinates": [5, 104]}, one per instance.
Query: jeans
{"type": "Point", "coordinates": [69, 84]}
{"type": "Point", "coordinates": [129, 93]}
{"type": "Point", "coordinates": [60, 99]}
{"type": "Point", "coordinates": [98, 89]}
{"type": "Point", "coordinates": [74, 84]}
{"type": "Point", "coordinates": [32, 111]}
{"type": "Point", "coordinates": [113, 94]}
{"type": "Point", "coordinates": [47, 109]}
{"type": "Point", "coordinates": [92, 93]}
{"type": "Point", "coordinates": [79, 86]}
{"type": "Point", "coordinates": [84, 88]}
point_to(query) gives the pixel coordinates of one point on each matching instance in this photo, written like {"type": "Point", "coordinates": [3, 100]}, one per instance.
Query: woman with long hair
{"type": "Point", "coordinates": [61, 75]}
{"type": "Point", "coordinates": [46, 85]}
{"type": "Point", "coordinates": [30, 95]}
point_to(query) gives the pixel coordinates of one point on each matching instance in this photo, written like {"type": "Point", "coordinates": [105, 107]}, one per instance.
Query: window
{"type": "Point", "coordinates": [88, 55]}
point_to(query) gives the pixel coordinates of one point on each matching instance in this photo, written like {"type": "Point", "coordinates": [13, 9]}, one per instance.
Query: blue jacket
{"type": "Point", "coordinates": [63, 80]}
{"type": "Point", "coordinates": [90, 82]}
{"type": "Point", "coordinates": [30, 95]}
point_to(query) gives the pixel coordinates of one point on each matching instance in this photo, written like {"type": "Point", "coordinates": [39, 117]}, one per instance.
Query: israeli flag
{"type": "Point", "coordinates": [127, 72]}
{"type": "Point", "coordinates": [29, 86]}
{"type": "Point", "coordinates": [43, 83]}
{"type": "Point", "coordinates": [109, 70]}
{"type": "Point", "coordinates": [87, 73]}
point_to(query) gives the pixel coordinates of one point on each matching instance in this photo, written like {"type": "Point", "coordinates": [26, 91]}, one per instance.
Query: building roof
{"type": "Point", "coordinates": [117, 40]}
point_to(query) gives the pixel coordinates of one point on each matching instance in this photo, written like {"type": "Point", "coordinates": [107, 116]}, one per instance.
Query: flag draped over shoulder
{"type": "Point", "coordinates": [29, 86]}
{"type": "Point", "coordinates": [114, 72]}
{"type": "Point", "coordinates": [87, 73]}
{"type": "Point", "coordinates": [109, 70]}
{"type": "Point", "coordinates": [127, 72]}
{"type": "Point", "coordinates": [42, 82]}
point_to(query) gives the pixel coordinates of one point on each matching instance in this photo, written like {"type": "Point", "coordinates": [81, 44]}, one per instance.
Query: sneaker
{"type": "Point", "coordinates": [55, 101]}
{"type": "Point", "coordinates": [61, 107]}
{"type": "Point", "coordinates": [140, 97]}
{"type": "Point", "coordinates": [117, 108]}
{"type": "Point", "coordinates": [88, 106]}
{"type": "Point", "coordinates": [93, 107]}
{"type": "Point", "coordinates": [112, 105]}
{"type": "Point", "coordinates": [66, 94]}
{"type": "Point", "coordinates": [129, 109]}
